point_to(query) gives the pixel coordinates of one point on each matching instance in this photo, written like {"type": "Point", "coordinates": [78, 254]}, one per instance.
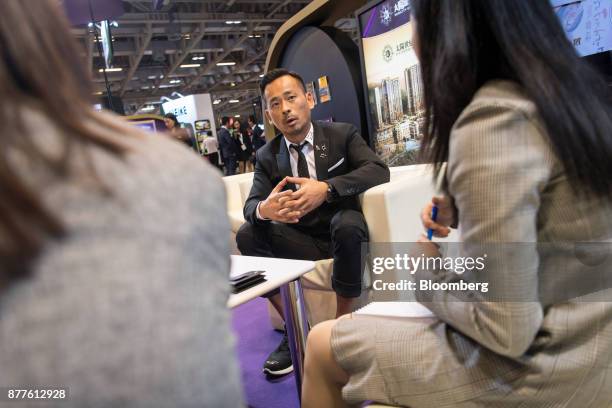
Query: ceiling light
{"type": "Point", "coordinates": [236, 116]}
{"type": "Point", "coordinates": [98, 93]}
{"type": "Point", "coordinates": [233, 22]}
{"type": "Point", "coordinates": [148, 108]}
{"type": "Point", "coordinates": [225, 64]}
{"type": "Point", "coordinates": [168, 85]}
{"type": "Point", "coordinates": [100, 39]}
{"type": "Point", "coordinates": [234, 101]}
{"type": "Point", "coordinates": [233, 84]}
{"type": "Point", "coordinates": [190, 65]}
{"type": "Point", "coordinates": [152, 76]}
{"type": "Point", "coordinates": [261, 76]}
{"type": "Point", "coordinates": [217, 101]}
{"type": "Point", "coordinates": [110, 69]}
{"type": "Point", "coordinates": [175, 81]}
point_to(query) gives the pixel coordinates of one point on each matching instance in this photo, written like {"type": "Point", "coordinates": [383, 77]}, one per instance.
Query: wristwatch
{"type": "Point", "coordinates": [331, 193]}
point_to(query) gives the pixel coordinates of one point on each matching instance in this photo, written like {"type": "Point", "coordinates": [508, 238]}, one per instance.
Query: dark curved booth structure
{"type": "Point", "coordinates": [309, 45]}
{"type": "Point", "coordinates": [314, 52]}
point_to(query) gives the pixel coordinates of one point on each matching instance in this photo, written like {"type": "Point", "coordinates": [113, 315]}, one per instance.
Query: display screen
{"type": "Point", "coordinates": [203, 124]}
{"type": "Point", "coordinates": [396, 110]}
{"type": "Point", "coordinates": [587, 23]}
{"type": "Point", "coordinates": [146, 125]}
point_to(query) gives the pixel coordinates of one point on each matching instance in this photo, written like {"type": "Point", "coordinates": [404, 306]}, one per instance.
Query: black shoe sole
{"type": "Point", "coordinates": [278, 373]}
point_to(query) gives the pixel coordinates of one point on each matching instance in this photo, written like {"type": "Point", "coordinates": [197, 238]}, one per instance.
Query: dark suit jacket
{"type": "Point", "coordinates": [258, 138]}
{"type": "Point", "coordinates": [342, 158]}
{"type": "Point", "coordinates": [227, 145]}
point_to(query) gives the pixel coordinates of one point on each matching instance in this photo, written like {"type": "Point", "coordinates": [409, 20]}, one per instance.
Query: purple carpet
{"type": "Point", "coordinates": [256, 339]}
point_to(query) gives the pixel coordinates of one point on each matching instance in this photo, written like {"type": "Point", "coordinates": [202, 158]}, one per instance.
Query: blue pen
{"type": "Point", "coordinates": [434, 215]}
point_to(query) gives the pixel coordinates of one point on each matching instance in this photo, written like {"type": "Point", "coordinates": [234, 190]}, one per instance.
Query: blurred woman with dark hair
{"type": "Point", "coordinates": [526, 129]}
{"type": "Point", "coordinates": [109, 258]}
{"type": "Point", "coordinates": [176, 131]}
{"type": "Point", "coordinates": [243, 146]}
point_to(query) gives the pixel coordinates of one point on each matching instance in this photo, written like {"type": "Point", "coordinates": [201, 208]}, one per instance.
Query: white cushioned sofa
{"type": "Point", "coordinates": [392, 212]}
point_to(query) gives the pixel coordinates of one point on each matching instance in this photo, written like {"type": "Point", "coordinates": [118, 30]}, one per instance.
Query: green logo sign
{"type": "Point", "coordinates": [388, 53]}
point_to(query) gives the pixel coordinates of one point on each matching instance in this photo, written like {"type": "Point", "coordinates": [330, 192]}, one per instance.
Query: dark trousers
{"type": "Point", "coordinates": [213, 158]}
{"type": "Point", "coordinates": [230, 166]}
{"type": "Point", "coordinates": [347, 232]}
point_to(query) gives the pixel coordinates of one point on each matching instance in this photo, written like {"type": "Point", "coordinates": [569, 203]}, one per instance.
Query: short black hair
{"type": "Point", "coordinates": [172, 117]}
{"type": "Point", "coordinates": [224, 121]}
{"type": "Point", "coordinates": [252, 118]}
{"type": "Point", "coordinates": [274, 75]}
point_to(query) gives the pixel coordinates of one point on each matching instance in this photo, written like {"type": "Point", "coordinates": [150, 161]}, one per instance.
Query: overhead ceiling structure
{"type": "Point", "coordinates": [189, 47]}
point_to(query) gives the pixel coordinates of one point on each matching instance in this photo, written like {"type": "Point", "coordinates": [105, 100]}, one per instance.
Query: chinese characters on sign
{"type": "Point", "coordinates": [587, 23]}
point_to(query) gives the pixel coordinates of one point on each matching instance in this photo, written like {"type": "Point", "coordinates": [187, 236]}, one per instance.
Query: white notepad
{"type": "Point", "coordinates": [395, 309]}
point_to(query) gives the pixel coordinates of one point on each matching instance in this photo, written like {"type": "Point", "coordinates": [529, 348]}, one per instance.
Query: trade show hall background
{"type": "Point", "coordinates": [161, 48]}
{"type": "Point", "coordinates": [199, 61]}
{"type": "Point", "coordinates": [203, 60]}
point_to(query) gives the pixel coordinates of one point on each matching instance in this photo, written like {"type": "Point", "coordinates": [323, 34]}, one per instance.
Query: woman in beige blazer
{"type": "Point", "coordinates": [526, 128]}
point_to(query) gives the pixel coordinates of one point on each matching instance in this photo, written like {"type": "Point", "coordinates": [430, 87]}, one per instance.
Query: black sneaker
{"type": "Point", "coordinates": [279, 361]}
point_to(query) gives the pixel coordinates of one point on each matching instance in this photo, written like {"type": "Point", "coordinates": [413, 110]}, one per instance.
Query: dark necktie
{"type": "Point", "coordinates": [302, 165]}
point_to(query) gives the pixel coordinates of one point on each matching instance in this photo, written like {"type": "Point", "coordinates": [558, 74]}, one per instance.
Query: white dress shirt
{"type": "Point", "coordinates": [308, 151]}
{"type": "Point", "coordinates": [210, 145]}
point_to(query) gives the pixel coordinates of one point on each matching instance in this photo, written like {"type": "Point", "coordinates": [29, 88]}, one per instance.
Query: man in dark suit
{"type": "Point", "coordinates": [257, 133]}
{"type": "Point", "coordinates": [227, 146]}
{"type": "Point", "coordinates": [304, 200]}
{"type": "Point", "coordinates": [257, 138]}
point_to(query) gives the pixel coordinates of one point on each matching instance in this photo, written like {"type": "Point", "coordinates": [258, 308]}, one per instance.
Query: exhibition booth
{"type": "Point", "coordinates": [376, 86]}
{"type": "Point", "coordinates": [195, 113]}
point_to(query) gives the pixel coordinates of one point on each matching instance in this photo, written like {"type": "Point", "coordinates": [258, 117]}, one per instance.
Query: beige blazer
{"type": "Point", "coordinates": [541, 348]}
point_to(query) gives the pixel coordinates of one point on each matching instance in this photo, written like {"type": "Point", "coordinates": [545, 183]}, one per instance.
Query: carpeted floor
{"type": "Point", "coordinates": [256, 339]}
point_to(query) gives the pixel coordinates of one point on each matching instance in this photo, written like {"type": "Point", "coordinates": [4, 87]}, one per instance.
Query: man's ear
{"type": "Point", "coordinates": [310, 100]}
{"type": "Point", "coordinates": [268, 117]}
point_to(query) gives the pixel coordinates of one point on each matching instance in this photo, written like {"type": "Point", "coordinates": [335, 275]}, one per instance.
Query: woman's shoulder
{"type": "Point", "coordinates": [501, 102]}
{"type": "Point", "coordinates": [500, 95]}
{"type": "Point", "coordinates": [502, 124]}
